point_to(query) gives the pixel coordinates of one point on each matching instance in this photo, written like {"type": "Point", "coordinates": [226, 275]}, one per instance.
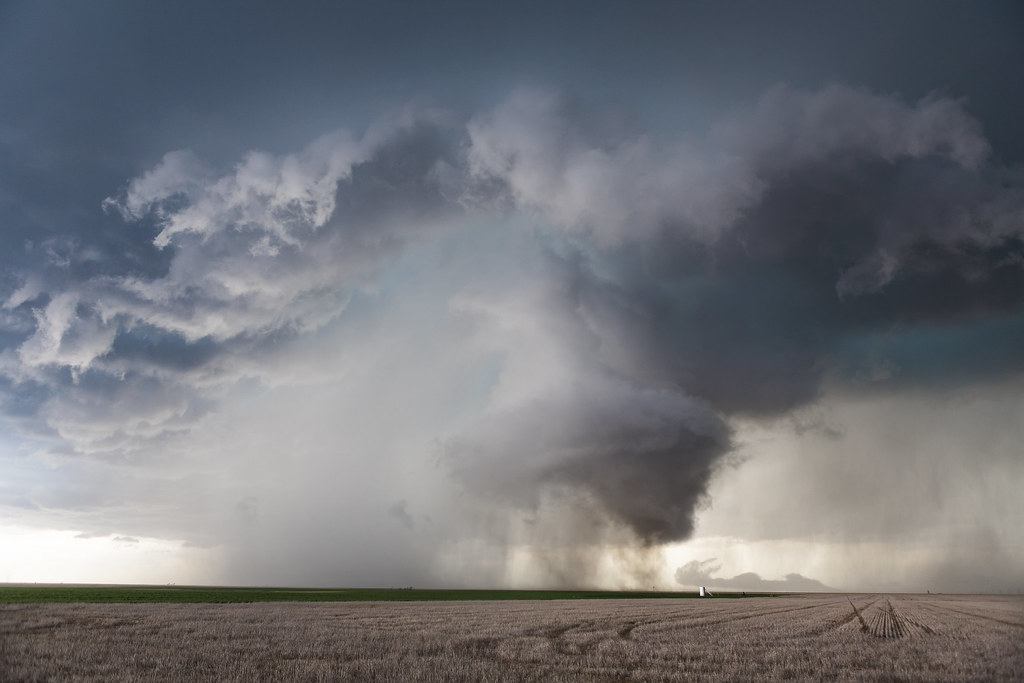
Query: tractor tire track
{"type": "Point", "coordinates": [1015, 624]}
{"type": "Point", "coordinates": [858, 615]}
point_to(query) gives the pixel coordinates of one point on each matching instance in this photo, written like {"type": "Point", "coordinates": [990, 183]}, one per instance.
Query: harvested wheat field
{"type": "Point", "coordinates": [859, 637]}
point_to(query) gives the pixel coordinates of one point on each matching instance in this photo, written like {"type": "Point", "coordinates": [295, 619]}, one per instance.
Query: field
{"type": "Point", "coordinates": [28, 593]}
{"type": "Point", "coordinates": [805, 637]}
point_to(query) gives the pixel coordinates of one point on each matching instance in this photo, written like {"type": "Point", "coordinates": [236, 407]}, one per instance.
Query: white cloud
{"type": "Point", "coordinates": [618, 186]}
{"type": "Point", "coordinates": [278, 198]}
{"type": "Point", "coordinates": [64, 336]}
{"type": "Point", "coordinates": [179, 173]}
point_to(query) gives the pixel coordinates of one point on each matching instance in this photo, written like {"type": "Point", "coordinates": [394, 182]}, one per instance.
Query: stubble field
{"type": "Point", "coordinates": [817, 637]}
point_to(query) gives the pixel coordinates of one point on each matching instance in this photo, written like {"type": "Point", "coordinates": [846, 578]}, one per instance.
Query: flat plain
{"type": "Point", "coordinates": [26, 593]}
{"type": "Point", "coordinates": [802, 637]}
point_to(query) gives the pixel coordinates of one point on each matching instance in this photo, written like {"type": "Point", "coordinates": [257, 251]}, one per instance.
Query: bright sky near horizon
{"type": "Point", "coordinates": [553, 294]}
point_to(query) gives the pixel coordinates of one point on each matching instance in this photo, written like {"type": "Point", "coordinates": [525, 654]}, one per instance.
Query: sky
{"type": "Point", "coordinates": [588, 294]}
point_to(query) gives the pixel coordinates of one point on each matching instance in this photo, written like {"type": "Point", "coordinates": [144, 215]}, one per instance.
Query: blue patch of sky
{"type": "Point", "coordinates": [944, 355]}
{"type": "Point", "coordinates": [159, 347]}
{"type": "Point", "coordinates": [22, 398]}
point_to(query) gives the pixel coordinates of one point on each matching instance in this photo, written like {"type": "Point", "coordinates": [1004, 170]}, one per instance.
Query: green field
{"type": "Point", "coordinates": [10, 594]}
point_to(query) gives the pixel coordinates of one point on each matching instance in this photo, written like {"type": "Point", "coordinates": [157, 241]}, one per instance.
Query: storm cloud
{"type": "Point", "coordinates": [449, 331]}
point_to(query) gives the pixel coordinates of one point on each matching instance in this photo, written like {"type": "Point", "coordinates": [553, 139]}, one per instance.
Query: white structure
{"type": "Point", "coordinates": [705, 593]}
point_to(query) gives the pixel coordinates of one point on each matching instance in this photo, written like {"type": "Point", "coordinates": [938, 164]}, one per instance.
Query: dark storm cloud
{"type": "Point", "coordinates": [847, 220]}
{"type": "Point", "coordinates": [757, 323]}
{"type": "Point", "coordinates": [811, 235]}
{"type": "Point", "coordinates": [713, 245]}
{"type": "Point", "coordinates": [846, 217]}
{"type": "Point", "coordinates": [641, 457]}
{"type": "Point", "coordinates": [95, 93]}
